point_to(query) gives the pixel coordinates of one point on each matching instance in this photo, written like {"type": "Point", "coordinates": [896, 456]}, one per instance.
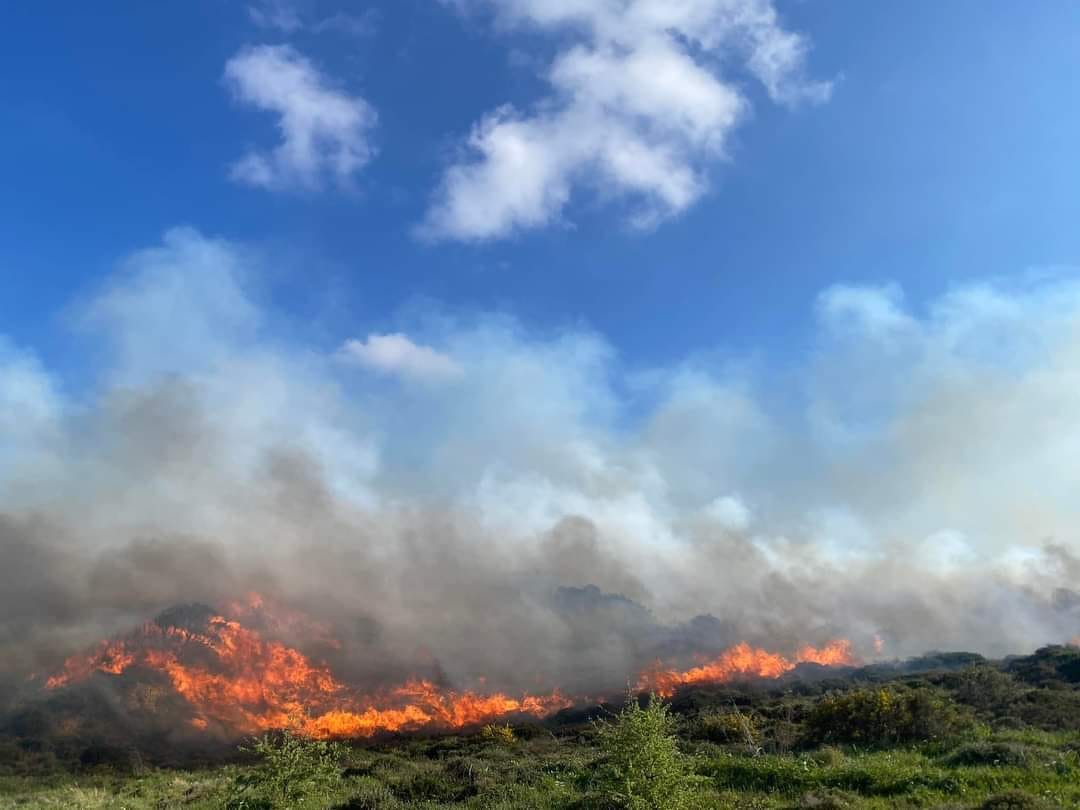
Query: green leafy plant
{"type": "Point", "coordinates": [886, 715]}
{"type": "Point", "coordinates": [643, 768]}
{"type": "Point", "coordinates": [732, 726]}
{"type": "Point", "coordinates": [293, 768]}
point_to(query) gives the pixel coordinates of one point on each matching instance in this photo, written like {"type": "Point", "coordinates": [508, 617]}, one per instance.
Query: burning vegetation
{"type": "Point", "coordinates": [741, 662]}
{"type": "Point", "coordinates": [235, 677]}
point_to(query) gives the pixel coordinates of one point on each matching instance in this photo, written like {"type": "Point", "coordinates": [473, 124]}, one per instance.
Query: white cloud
{"type": "Point", "coordinates": [396, 354]}
{"type": "Point", "coordinates": [325, 132]}
{"type": "Point", "coordinates": [282, 15]}
{"type": "Point", "coordinates": [638, 110]}
{"type": "Point", "coordinates": [292, 16]}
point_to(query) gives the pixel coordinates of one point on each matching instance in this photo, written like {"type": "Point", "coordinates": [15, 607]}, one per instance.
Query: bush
{"type": "Point", "coordinates": [1050, 709]}
{"type": "Point", "coordinates": [122, 759]}
{"type": "Point", "coordinates": [503, 735]}
{"type": "Point", "coordinates": [371, 796]}
{"type": "Point", "coordinates": [1048, 666]}
{"type": "Point", "coordinates": [643, 768]}
{"type": "Point", "coordinates": [989, 753]}
{"type": "Point", "coordinates": [431, 783]}
{"type": "Point", "coordinates": [885, 715]}
{"type": "Point", "coordinates": [292, 768]}
{"type": "Point", "coordinates": [987, 689]}
{"type": "Point", "coordinates": [728, 727]}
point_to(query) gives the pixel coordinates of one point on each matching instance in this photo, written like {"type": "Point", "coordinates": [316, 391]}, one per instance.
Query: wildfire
{"type": "Point", "coordinates": [743, 661]}
{"type": "Point", "coordinates": [108, 656]}
{"type": "Point", "coordinates": [232, 677]}
{"type": "Point", "coordinates": [236, 680]}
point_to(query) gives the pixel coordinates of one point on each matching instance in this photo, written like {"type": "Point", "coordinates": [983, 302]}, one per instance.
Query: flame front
{"type": "Point", "coordinates": [247, 684]}
{"type": "Point", "coordinates": [743, 661]}
{"type": "Point", "coordinates": [234, 679]}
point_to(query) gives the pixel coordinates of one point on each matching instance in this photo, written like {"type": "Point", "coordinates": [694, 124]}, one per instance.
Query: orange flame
{"type": "Point", "coordinates": [248, 685]}
{"type": "Point", "coordinates": [235, 680]}
{"type": "Point", "coordinates": [743, 661]}
{"type": "Point", "coordinates": [109, 656]}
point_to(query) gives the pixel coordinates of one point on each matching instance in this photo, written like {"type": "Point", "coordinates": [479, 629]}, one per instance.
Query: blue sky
{"type": "Point", "coordinates": [718, 304]}
{"type": "Point", "coordinates": [943, 153]}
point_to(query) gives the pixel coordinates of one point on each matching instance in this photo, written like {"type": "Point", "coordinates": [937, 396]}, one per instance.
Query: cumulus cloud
{"type": "Point", "coordinates": [639, 108]}
{"type": "Point", "coordinates": [396, 354]}
{"type": "Point", "coordinates": [325, 131]}
{"type": "Point", "coordinates": [916, 483]}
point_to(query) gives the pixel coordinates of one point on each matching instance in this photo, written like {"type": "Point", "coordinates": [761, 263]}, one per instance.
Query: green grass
{"type": "Point", "coordinates": [543, 773]}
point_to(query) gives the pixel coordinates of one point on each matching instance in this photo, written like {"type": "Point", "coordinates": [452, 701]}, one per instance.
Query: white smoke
{"type": "Point", "coordinates": [917, 480]}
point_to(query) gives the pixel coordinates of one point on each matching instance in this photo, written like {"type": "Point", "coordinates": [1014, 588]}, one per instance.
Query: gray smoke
{"type": "Point", "coordinates": [466, 497]}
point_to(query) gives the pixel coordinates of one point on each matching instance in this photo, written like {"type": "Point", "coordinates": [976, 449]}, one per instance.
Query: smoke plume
{"type": "Point", "coordinates": [475, 499]}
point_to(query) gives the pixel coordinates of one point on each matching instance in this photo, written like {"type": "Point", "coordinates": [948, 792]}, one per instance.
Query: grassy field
{"type": "Point", "coordinates": [558, 773]}
{"type": "Point", "coordinates": [986, 735]}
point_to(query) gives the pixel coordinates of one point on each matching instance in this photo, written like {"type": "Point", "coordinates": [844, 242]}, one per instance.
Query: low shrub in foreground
{"type": "Point", "coordinates": [643, 768]}
{"type": "Point", "coordinates": [292, 769]}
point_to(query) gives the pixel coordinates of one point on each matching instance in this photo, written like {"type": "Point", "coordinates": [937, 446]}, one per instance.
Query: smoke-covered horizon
{"type": "Point", "coordinates": [440, 492]}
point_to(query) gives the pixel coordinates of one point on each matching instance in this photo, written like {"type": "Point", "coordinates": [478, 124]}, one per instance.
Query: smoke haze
{"type": "Point", "coordinates": [470, 498]}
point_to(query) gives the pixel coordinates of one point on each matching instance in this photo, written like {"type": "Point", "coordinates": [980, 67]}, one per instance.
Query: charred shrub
{"type": "Point", "coordinates": [884, 716]}
{"type": "Point", "coordinates": [121, 759]}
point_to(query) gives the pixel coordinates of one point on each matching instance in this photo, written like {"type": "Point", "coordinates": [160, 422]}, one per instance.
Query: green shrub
{"type": "Point", "coordinates": [1051, 709]}
{"type": "Point", "coordinates": [885, 715]}
{"type": "Point", "coordinates": [989, 753]}
{"type": "Point", "coordinates": [1048, 666]}
{"type": "Point", "coordinates": [727, 727]}
{"type": "Point", "coordinates": [433, 783]}
{"type": "Point", "coordinates": [292, 768]}
{"type": "Point", "coordinates": [371, 796]}
{"type": "Point", "coordinates": [987, 689]}
{"type": "Point", "coordinates": [643, 768]}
